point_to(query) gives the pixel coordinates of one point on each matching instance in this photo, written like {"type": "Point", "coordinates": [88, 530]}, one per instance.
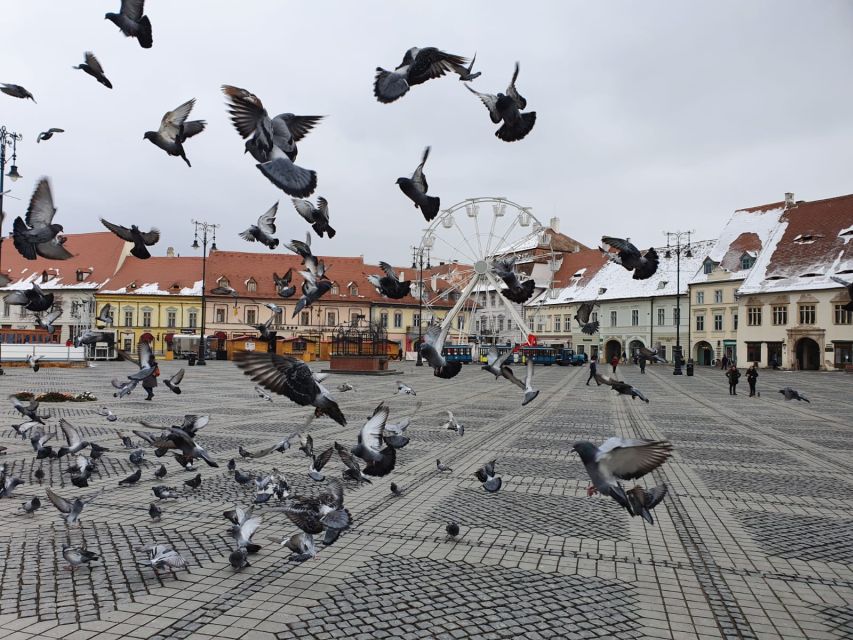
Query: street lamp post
{"type": "Point", "coordinates": [418, 263]}
{"type": "Point", "coordinates": [678, 242]}
{"type": "Point", "coordinates": [204, 227]}
{"type": "Point", "coordinates": [6, 138]}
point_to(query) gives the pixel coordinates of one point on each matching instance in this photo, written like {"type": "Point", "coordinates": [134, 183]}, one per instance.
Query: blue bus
{"type": "Point", "coordinates": [540, 355]}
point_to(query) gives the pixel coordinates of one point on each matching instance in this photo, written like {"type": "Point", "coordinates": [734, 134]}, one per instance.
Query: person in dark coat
{"type": "Point", "coordinates": [752, 378]}
{"type": "Point", "coordinates": [724, 363]}
{"type": "Point", "coordinates": [151, 381]}
{"type": "Point", "coordinates": [593, 367]}
{"type": "Point", "coordinates": [614, 361]}
{"type": "Point", "coordinates": [733, 375]}
{"type": "Point", "coordinates": [642, 361]}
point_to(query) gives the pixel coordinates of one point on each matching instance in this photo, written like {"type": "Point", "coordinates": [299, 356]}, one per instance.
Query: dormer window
{"type": "Point", "coordinates": [334, 290]}
{"type": "Point", "coordinates": [83, 275]}
{"type": "Point", "coordinates": [353, 290]}
{"type": "Point", "coordinates": [746, 261]}
{"type": "Point", "coordinates": [708, 266]}
{"type": "Point", "coordinates": [223, 282]}
{"type": "Point", "coordinates": [251, 285]}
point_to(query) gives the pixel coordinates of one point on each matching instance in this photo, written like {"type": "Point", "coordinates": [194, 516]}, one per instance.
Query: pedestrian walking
{"type": "Point", "coordinates": [724, 364]}
{"type": "Point", "coordinates": [614, 361]}
{"type": "Point", "coordinates": [624, 357]}
{"type": "Point", "coordinates": [642, 361]}
{"type": "Point", "coordinates": [593, 367]}
{"type": "Point", "coordinates": [151, 381]}
{"type": "Point", "coordinates": [733, 375]}
{"type": "Point", "coordinates": [752, 378]}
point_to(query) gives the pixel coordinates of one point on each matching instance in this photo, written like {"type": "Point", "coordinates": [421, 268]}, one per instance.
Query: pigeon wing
{"type": "Point", "coordinates": [247, 111]}
{"type": "Point", "coordinates": [629, 459]}
{"type": "Point", "coordinates": [284, 375]}
{"type": "Point", "coordinates": [371, 432]}
{"type": "Point", "coordinates": [41, 210]}
{"type": "Point", "coordinates": [176, 379]}
{"type": "Point", "coordinates": [491, 102]}
{"type": "Point", "coordinates": [54, 250]}
{"type": "Point", "coordinates": [93, 63]}
{"type": "Point", "coordinates": [513, 93]}
{"type": "Point", "coordinates": [122, 232]}
{"type": "Point", "coordinates": [389, 270]}
{"type": "Point", "coordinates": [71, 436]}
{"type": "Point", "coordinates": [266, 222]}
{"type": "Point", "coordinates": [132, 9]}
{"type": "Point", "coordinates": [170, 125]}
{"type": "Point", "coordinates": [620, 244]}
{"type": "Point", "coordinates": [58, 501]}
{"type": "Point", "coordinates": [299, 125]}
{"type": "Point", "coordinates": [146, 357]}
{"type": "Point", "coordinates": [304, 209]}
{"type": "Point", "coordinates": [418, 176]}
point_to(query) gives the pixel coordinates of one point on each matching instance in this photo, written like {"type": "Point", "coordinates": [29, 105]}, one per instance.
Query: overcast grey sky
{"type": "Point", "coordinates": [651, 115]}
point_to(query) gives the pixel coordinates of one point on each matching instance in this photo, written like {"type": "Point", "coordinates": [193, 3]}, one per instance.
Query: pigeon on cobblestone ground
{"type": "Point", "coordinates": [405, 389]}
{"type": "Point", "coordinates": [302, 546]}
{"type": "Point", "coordinates": [163, 556]}
{"type": "Point", "coordinates": [76, 557]}
{"type": "Point", "coordinates": [442, 467]}
{"type": "Point", "coordinates": [163, 492]}
{"type": "Point", "coordinates": [452, 530]}
{"type": "Point", "coordinates": [133, 478]}
{"type": "Point", "coordinates": [194, 482]}
{"type": "Point", "coordinates": [106, 413]}
{"type": "Point", "coordinates": [396, 490]}
{"type": "Point", "coordinates": [793, 394]}
{"type": "Point", "coordinates": [320, 513]}
{"type": "Point", "coordinates": [8, 482]}
{"type": "Point", "coordinates": [161, 472]}
{"type": "Point", "coordinates": [451, 424]}
{"type": "Point", "coordinates": [32, 505]}
{"type": "Point", "coordinates": [239, 558]}
{"type": "Point", "coordinates": [486, 474]}
{"type": "Point", "coordinates": [154, 512]}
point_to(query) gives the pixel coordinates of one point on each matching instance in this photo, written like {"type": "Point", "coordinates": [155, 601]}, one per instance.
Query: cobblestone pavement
{"type": "Point", "coordinates": [754, 540]}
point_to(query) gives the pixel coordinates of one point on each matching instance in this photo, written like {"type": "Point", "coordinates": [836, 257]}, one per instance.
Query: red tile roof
{"type": "Point", "coordinates": [158, 275]}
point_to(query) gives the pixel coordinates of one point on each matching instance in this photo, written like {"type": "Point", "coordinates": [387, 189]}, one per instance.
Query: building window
{"type": "Point", "coordinates": [676, 317]}
{"type": "Point", "coordinates": [128, 343]}
{"type": "Point", "coordinates": [331, 318]}
{"type": "Point", "coordinates": [807, 314]}
{"type": "Point", "coordinates": [843, 353]}
{"type": "Point", "coordinates": [492, 299]}
{"type": "Point", "coordinates": [557, 324]}
{"type": "Point", "coordinates": [128, 318]}
{"type": "Point", "coordinates": [220, 314]}
{"type": "Point", "coordinates": [753, 352]}
{"type": "Point", "coordinates": [353, 290]}
{"type": "Point", "coordinates": [708, 266]}
{"type": "Point", "coordinates": [734, 322]}
{"type": "Point", "coordinates": [277, 317]}
{"type": "Point", "coordinates": [508, 324]}
{"type": "Point", "coordinates": [700, 323]}
{"type": "Point", "coordinates": [383, 320]}
{"type": "Point", "coordinates": [193, 319]}
{"type": "Point", "coordinates": [635, 317]}
{"type": "Point", "coordinates": [700, 297]}
{"type": "Point", "coordinates": [460, 322]}
{"type": "Point", "coordinates": [334, 290]}
{"type": "Point", "coordinates": [842, 316]}
{"type": "Point", "coordinates": [223, 282]}
{"type": "Point", "coordinates": [718, 322]}
{"type": "Point", "coordinates": [305, 318]}
{"type": "Point", "coordinates": [171, 319]}
{"type": "Point", "coordinates": [661, 317]}
{"type": "Point", "coordinates": [6, 308]}
{"type": "Point", "coordinates": [251, 316]}
{"type": "Point", "coordinates": [612, 318]}
{"type": "Point", "coordinates": [718, 295]}
{"type": "Point", "coordinates": [501, 324]}
{"type": "Point", "coordinates": [251, 286]}
{"type": "Point", "coordinates": [416, 320]}
{"type": "Point", "coordinates": [780, 314]}
{"type": "Point", "coordinates": [398, 320]}
{"type": "Point", "coordinates": [593, 316]}
{"type": "Point", "coordinates": [747, 261]}
{"type": "Point", "coordinates": [662, 350]}
{"type": "Point", "coordinates": [540, 324]}
{"type": "Point", "coordinates": [753, 316]}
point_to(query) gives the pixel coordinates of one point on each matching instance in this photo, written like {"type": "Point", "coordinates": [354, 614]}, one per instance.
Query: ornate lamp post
{"type": "Point", "coordinates": [418, 254]}
{"type": "Point", "coordinates": [204, 227]}
{"type": "Point", "coordinates": [9, 138]}
{"type": "Point", "coordinates": [678, 242]}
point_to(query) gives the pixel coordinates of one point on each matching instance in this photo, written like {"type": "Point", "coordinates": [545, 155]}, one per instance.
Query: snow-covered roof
{"type": "Point", "coordinates": [54, 283]}
{"type": "Point", "coordinates": [158, 289]}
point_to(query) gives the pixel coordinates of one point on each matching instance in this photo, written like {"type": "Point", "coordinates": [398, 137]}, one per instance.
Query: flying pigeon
{"type": "Point", "coordinates": [16, 91]}
{"type": "Point", "coordinates": [133, 478]}
{"type": "Point", "coordinates": [244, 531]}
{"type": "Point", "coordinates": [642, 501]}
{"type": "Point", "coordinates": [93, 67]}
{"type": "Point", "coordinates": [180, 438]}
{"type": "Point", "coordinates": [353, 470]}
{"type": "Point", "coordinates": [379, 460]}
{"type": "Point", "coordinates": [162, 492]}
{"type": "Point", "coordinates": [25, 427]}
{"type": "Point", "coordinates": [507, 108]}
{"type": "Point", "coordinates": [280, 447]}
{"type": "Point", "coordinates": [32, 299]}
{"type": "Point", "coordinates": [318, 513]}
{"type": "Point", "coordinates": [139, 238]}
{"type": "Point", "coordinates": [70, 510]}
{"type": "Point", "coordinates": [622, 388]}
{"type": "Point", "coordinates": [290, 377]}
{"type": "Point", "coordinates": [345, 386]}
{"type": "Point", "coordinates": [452, 424]}
{"type": "Point", "coordinates": [431, 349]}
{"type": "Point", "coordinates": [174, 130]}
{"type": "Point", "coordinates": [620, 459]}
{"type": "Point", "coordinates": [155, 512]}
{"type": "Point", "coordinates": [194, 482]}
{"type": "Point", "coordinates": [416, 189]}
{"type": "Point", "coordinates": [32, 505]}
{"type": "Point", "coordinates": [486, 474]}
{"type": "Point", "coordinates": [389, 285]}
{"type": "Point", "coordinates": [8, 482]}
{"type": "Point", "coordinates": [312, 290]}
{"type": "Point", "coordinates": [315, 471]}
{"type": "Point", "coordinates": [76, 557]}
{"type": "Point", "coordinates": [849, 287]}
{"type": "Point", "coordinates": [39, 236]}
{"type": "Point", "coordinates": [132, 22]}
{"type": "Point", "coordinates": [47, 135]}
{"type": "Point", "coordinates": [793, 394]}
{"type": "Point", "coordinates": [516, 291]}
{"type": "Point", "coordinates": [46, 322]}
{"type": "Point", "coordinates": [282, 284]}
{"type": "Point", "coordinates": [162, 556]}
{"type": "Point", "coordinates": [173, 382]}
{"type": "Point", "coordinates": [92, 337]}
{"type": "Point", "coordinates": [272, 142]}
{"type": "Point", "coordinates": [317, 217]}
{"type": "Point", "coordinates": [33, 362]}
{"type": "Point", "coordinates": [40, 446]}
{"type": "Point", "coordinates": [264, 328]}
{"type": "Point", "coordinates": [452, 530]}
{"type": "Point", "coordinates": [442, 467]}
{"type": "Point", "coordinates": [583, 315]}
{"type": "Point", "coordinates": [264, 230]}
{"type": "Point", "coordinates": [27, 410]}
{"type": "Point", "coordinates": [105, 317]}
{"type": "Point", "coordinates": [652, 355]}
{"type": "Point", "coordinates": [418, 66]}
{"type": "Point", "coordinates": [643, 266]}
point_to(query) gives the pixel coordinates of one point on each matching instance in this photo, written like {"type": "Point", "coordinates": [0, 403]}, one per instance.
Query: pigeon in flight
{"type": "Point", "coordinates": [583, 315]}
{"type": "Point", "coordinates": [174, 130]}
{"type": "Point", "coordinates": [416, 189]}
{"type": "Point", "coordinates": [389, 285]}
{"type": "Point", "coordinates": [318, 513]}
{"type": "Point", "coordinates": [418, 66]}
{"type": "Point", "coordinates": [622, 388]}
{"type": "Point", "coordinates": [642, 501]}
{"type": "Point", "coordinates": [180, 438]}
{"type": "Point", "coordinates": [431, 349]}
{"type": "Point", "coordinates": [93, 67]}
{"type": "Point", "coordinates": [280, 447]}
{"type": "Point", "coordinates": [146, 368]}
{"type": "Point", "coordinates": [175, 380]}
{"type": "Point", "coordinates": [264, 230]}
{"type": "Point", "coordinates": [849, 287]}
{"type": "Point", "coordinates": [643, 266]}
{"type": "Point", "coordinates": [39, 236]}
{"type": "Point", "coordinates": [507, 108]}
{"type": "Point", "coordinates": [313, 288]}
{"type": "Point", "coordinates": [793, 394]}
{"type": "Point", "coordinates": [109, 415]}
{"type": "Point", "coordinates": [46, 322]}
{"type": "Point", "coordinates": [442, 467]}
{"type": "Point", "coordinates": [620, 459]}
{"type": "Point", "coordinates": [33, 362]}
{"type": "Point", "coordinates": [16, 91]}
{"type": "Point", "coordinates": [290, 377]}
{"type": "Point", "coordinates": [379, 458]}
{"type": "Point", "coordinates": [8, 482]}
{"type": "Point", "coordinates": [317, 217]}
{"type": "Point", "coordinates": [139, 238]}
{"type": "Point", "coordinates": [353, 470]}
{"type": "Point", "coordinates": [405, 389]}
{"type": "Point", "coordinates": [93, 337]}
{"type": "Point", "coordinates": [77, 557]}
{"type": "Point", "coordinates": [32, 505]}
{"type": "Point", "coordinates": [516, 291]}
{"type": "Point", "coordinates": [652, 355]}
{"type": "Point", "coordinates": [47, 135]}
{"type": "Point", "coordinates": [105, 317]}
{"type": "Point", "coordinates": [244, 531]}
{"type": "Point", "coordinates": [132, 22]}
{"type": "Point", "coordinates": [272, 141]}
{"type": "Point", "coordinates": [163, 556]}
{"type": "Point", "coordinates": [486, 474]}
{"type": "Point", "coordinates": [33, 299]}
{"type": "Point", "coordinates": [28, 411]}
{"type": "Point", "coordinates": [451, 424]}
{"type": "Point", "coordinates": [74, 443]}
{"type": "Point", "coordinates": [70, 510]}
{"type": "Point", "coordinates": [282, 284]}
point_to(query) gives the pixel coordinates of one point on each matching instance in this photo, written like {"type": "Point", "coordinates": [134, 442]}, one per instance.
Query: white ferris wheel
{"type": "Point", "coordinates": [468, 238]}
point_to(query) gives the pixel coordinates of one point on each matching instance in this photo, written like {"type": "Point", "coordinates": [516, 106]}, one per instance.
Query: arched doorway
{"type": "Point", "coordinates": [612, 348]}
{"type": "Point", "coordinates": [703, 353]}
{"type": "Point", "coordinates": [634, 348]}
{"type": "Point", "coordinates": [808, 354]}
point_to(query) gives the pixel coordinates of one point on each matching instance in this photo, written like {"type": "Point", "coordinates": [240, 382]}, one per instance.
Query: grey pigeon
{"type": "Point", "coordinates": [583, 315]}
{"type": "Point", "coordinates": [622, 388]}
{"type": "Point", "coordinates": [244, 531]}
{"type": "Point", "coordinates": [452, 530]}
{"type": "Point", "coordinates": [105, 316]}
{"type": "Point", "coordinates": [644, 266]}
{"type": "Point", "coordinates": [132, 22]}
{"type": "Point", "coordinates": [162, 556]}
{"type": "Point", "coordinates": [74, 443]}
{"type": "Point", "coordinates": [92, 337]}
{"type": "Point", "coordinates": [486, 474]}
{"type": "Point", "coordinates": [289, 377]}
{"type": "Point", "coordinates": [317, 217]}
{"type": "Point", "coordinates": [81, 471]}
{"type": "Point", "coordinates": [133, 478]}
{"type": "Point", "coordinates": [652, 355]}
{"type": "Point", "coordinates": [8, 482]}
{"type": "Point", "coordinates": [136, 457]}
{"type": "Point", "coordinates": [32, 299]}
{"type": "Point", "coordinates": [353, 470]}
{"type": "Point", "coordinates": [39, 235]}
{"type": "Point", "coordinates": [642, 501]}
{"type": "Point", "coordinates": [93, 67]}
{"type": "Point", "coordinates": [194, 482]}
{"type": "Point", "coordinates": [239, 558]}
{"type": "Point", "coordinates": [793, 394]}
{"type": "Point", "coordinates": [345, 386]}
{"type": "Point", "coordinates": [507, 108]}
{"type": "Point", "coordinates": [418, 66]}
{"type": "Point", "coordinates": [849, 286]}
{"type": "Point", "coordinates": [46, 321]}
{"type": "Point", "coordinates": [76, 557]}
{"type": "Point", "coordinates": [395, 490]}
{"type": "Point", "coordinates": [442, 467]}
{"type": "Point", "coordinates": [140, 239]}
{"type": "Point", "coordinates": [180, 439]}
{"type": "Point", "coordinates": [28, 410]}
{"type": "Point", "coordinates": [155, 512]}
{"type": "Point", "coordinates": [232, 464]}
{"type": "Point", "coordinates": [263, 394]}
{"type": "Point", "coordinates": [264, 230]}
{"type": "Point", "coordinates": [47, 135]}
{"type": "Point", "coordinates": [315, 471]}
{"type": "Point", "coordinates": [109, 415]}
{"type": "Point", "coordinates": [39, 442]}
{"type": "Point", "coordinates": [32, 505]}
{"type": "Point", "coordinates": [405, 389]}
{"type": "Point", "coordinates": [128, 443]}
{"type": "Point", "coordinates": [389, 285]}
{"type": "Point", "coordinates": [620, 459]}
{"type": "Point", "coordinates": [431, 350]}
{"type": "Point", "coordinates": [452, 424]}
{"type": "Point", "coordinates": [312, 290]}
{"type": "Point", "coordinates": [272, 141]}
{"type": "Point", "coordinates": [516, 291]}
{"type": "Point", "coordinates": [24, 428]}
{"type": "Point", "coordinates": [70, 510]}
{"type": "Point", "coordinates": [39, 474]}
{"type": "Point", "coordinates": [416, 189]}
{"type": "Point", "coordinates": [379, 460]}
{"type": "Point", "coordinates": [161, 472]}
{"type": "Point", "coordinates": [162, 492]}
{"type": "Point", "coordinates": [33, 362]}
{"type": "Point", "coordinates": [282, 284]}
{"type": "Point", "coordinates": [280, 446]}
{"type": "Point", "coordinates": [242, 477]}
{"type": "Point", "coordinates": [173, 381]}
{"type": "Point", "coordinates": [175, 129]}
{"type": "Point", "coordinates": [318, 513]}
{"type": "Point", "coordinates": [16, 91]}
{"type": "Point", "coordinates": [302, 546]}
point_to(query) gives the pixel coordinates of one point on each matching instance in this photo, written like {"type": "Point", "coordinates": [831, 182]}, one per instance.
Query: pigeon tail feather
{"type": "Point", "coordinates": [290, 178]}
{"type": "Point", "coordinates": [430, 207]}
{"type": "Point", "coordinates": [519, 129]}
{"type": "Point", "coordinates": [144, 35]}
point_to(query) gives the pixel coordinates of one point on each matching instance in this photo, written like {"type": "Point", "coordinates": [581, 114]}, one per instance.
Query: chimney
{"type": "Point", "coordinates": [170, 252]}
{"type": "Point", "coordinates": [555, 224]}
{"type": "Point", "coordinates": [789, 201]}
{"type": "Point", "coordinates": [434, 282]}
